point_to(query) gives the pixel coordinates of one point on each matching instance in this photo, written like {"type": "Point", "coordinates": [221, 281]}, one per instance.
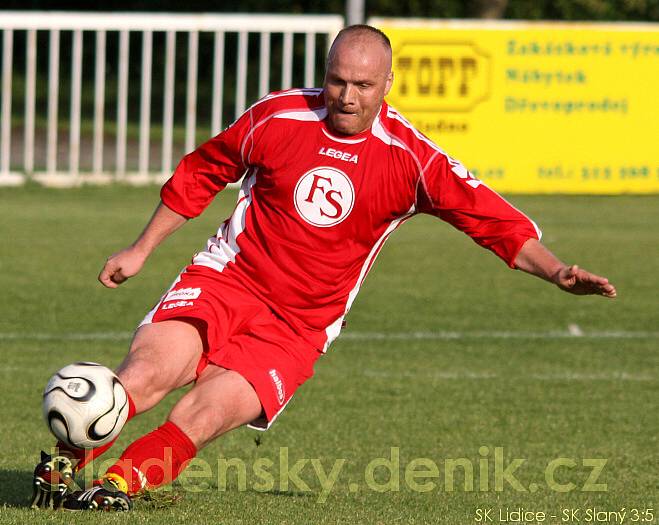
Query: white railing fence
{"type": "Point", "coordinates": [95, 97]}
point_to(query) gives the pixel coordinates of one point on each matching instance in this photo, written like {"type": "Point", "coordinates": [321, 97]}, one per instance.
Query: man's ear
{"type": "Point", "coordinates": [390, 82]}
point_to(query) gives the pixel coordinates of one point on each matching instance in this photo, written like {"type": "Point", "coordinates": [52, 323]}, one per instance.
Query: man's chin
{"type": "Point", "coordinates": [345, 128]}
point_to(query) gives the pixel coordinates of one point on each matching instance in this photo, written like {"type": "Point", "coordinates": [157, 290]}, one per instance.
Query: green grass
{"type": "Point", "coordinates": [506, 382]}
{"type": "Point", "coordinates": [202, 132]}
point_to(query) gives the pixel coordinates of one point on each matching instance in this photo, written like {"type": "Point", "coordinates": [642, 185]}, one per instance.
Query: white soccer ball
{"type": "Point", "coordinates": [85, 405]}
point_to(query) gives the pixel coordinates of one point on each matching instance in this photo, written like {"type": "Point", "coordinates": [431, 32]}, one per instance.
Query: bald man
{"type": "Point", "coordinates": [328, 174]}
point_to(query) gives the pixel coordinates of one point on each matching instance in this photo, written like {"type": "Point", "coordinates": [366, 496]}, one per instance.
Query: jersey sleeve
{"type": "Point", "coordinates": [447, 190]}
{"type": "Point", "coordinates": [207, 170]}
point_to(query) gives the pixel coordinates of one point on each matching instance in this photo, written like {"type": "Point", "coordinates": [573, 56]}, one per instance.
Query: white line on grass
{"type": "Point", "coordinates": [608, 334]}
{"type": "Point", "coordinates": [573, 331]}
{"type": "Point", "coordinates": [92, 336]}
{"type": "Point", "coordinates": [557, 376]}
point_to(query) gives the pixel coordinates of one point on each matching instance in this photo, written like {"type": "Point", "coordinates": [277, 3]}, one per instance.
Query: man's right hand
{"type": "Point", "coordinates": [122, 265]}
{"type": "Point", "coordinates": [129, 261]}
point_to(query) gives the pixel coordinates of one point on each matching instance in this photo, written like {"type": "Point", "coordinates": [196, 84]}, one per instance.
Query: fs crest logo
{"type": "Point", "coordinates": [324, 196]}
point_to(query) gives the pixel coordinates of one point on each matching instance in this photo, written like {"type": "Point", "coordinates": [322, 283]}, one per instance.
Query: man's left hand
{"type": "Point", "coordinates": [580, 282]}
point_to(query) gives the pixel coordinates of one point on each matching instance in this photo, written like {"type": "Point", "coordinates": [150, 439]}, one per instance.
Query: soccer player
{"type": "Point", "coordinates": [329, 174]}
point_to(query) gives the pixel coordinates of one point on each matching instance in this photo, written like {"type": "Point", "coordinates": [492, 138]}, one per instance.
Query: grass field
{"type": "Point", "coordinates": [447, 355]}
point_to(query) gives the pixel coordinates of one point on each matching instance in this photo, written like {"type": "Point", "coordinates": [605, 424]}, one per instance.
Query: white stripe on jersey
{"type": "Point", "coordinates": [223, 247]}
{"type": "Point", "coordinates": [303, 91]}
{"type": "Point", "coordinates": [392, 113]}
{"type": "Point", "coordinates": [300, 114]}
{"type": "Point", "coordinates": [289, 92]}
{"type": "Point", "coordinates": [389, 138]}
{"type": "Point", "coordinates": [380, 132]}
{"type": "Point", "coordinates": [456, 166]}
{"type": "Point", "coordinates": [334, 329]}
{"type": "Point", "coordinates": [313, 115]}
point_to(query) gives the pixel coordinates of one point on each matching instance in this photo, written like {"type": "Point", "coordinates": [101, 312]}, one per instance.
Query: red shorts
{"type": "Point", "coordinates": [241, 334]}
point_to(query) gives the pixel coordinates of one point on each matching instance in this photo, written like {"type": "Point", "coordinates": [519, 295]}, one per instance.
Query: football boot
{"type": "Point", "coordinates": [107, 494]}
{"type": "Point", "coordinates": [52, 481]}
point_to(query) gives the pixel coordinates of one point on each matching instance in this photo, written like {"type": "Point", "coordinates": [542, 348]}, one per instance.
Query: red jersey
{"type": "Point", "coordinates": [315, 209]}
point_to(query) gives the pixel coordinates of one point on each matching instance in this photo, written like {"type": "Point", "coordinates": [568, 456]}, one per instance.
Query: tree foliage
{"type": "Point", "coordinates": [627, 10]}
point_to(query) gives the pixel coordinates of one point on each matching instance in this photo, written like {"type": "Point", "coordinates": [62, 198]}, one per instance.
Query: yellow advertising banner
{"type": "Point", "coordinates": [534, 107]}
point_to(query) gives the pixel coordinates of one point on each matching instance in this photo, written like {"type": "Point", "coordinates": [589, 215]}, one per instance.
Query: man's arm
{"type": "Point", "coordinates": [537, 260]}
{"type": "Point", "coordinates": [129, 261]}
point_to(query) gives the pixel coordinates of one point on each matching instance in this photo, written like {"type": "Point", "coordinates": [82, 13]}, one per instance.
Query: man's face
{"type": "Point", "coordinates": [357, 78]}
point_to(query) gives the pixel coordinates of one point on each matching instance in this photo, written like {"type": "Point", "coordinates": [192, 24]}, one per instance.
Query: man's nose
{"type": "Point", "coordinates": [348, 95]}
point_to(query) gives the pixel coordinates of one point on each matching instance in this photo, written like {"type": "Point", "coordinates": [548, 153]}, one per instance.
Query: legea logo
{"type": "Point", "coordinates": [324, 196]}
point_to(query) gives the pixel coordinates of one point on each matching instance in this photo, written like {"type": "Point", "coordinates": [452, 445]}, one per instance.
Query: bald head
{"type": "Point", "coordinates": [363, 37]}
{"type": "Point", "coordinates": [357, 78]}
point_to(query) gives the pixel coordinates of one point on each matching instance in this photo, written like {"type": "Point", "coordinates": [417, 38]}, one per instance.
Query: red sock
{"type": "Point", "coordinates": [84, 456]}
{"type": "Point", "coordinates": [155, 459]}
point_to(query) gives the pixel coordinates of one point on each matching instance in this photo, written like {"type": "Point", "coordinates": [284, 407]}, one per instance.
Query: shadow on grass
{"type": "Point", "coordinates": [16, 488]}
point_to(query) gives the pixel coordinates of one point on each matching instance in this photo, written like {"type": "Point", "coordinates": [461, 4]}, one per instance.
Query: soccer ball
{"type": "Point", "coordinates": [85, 405]}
